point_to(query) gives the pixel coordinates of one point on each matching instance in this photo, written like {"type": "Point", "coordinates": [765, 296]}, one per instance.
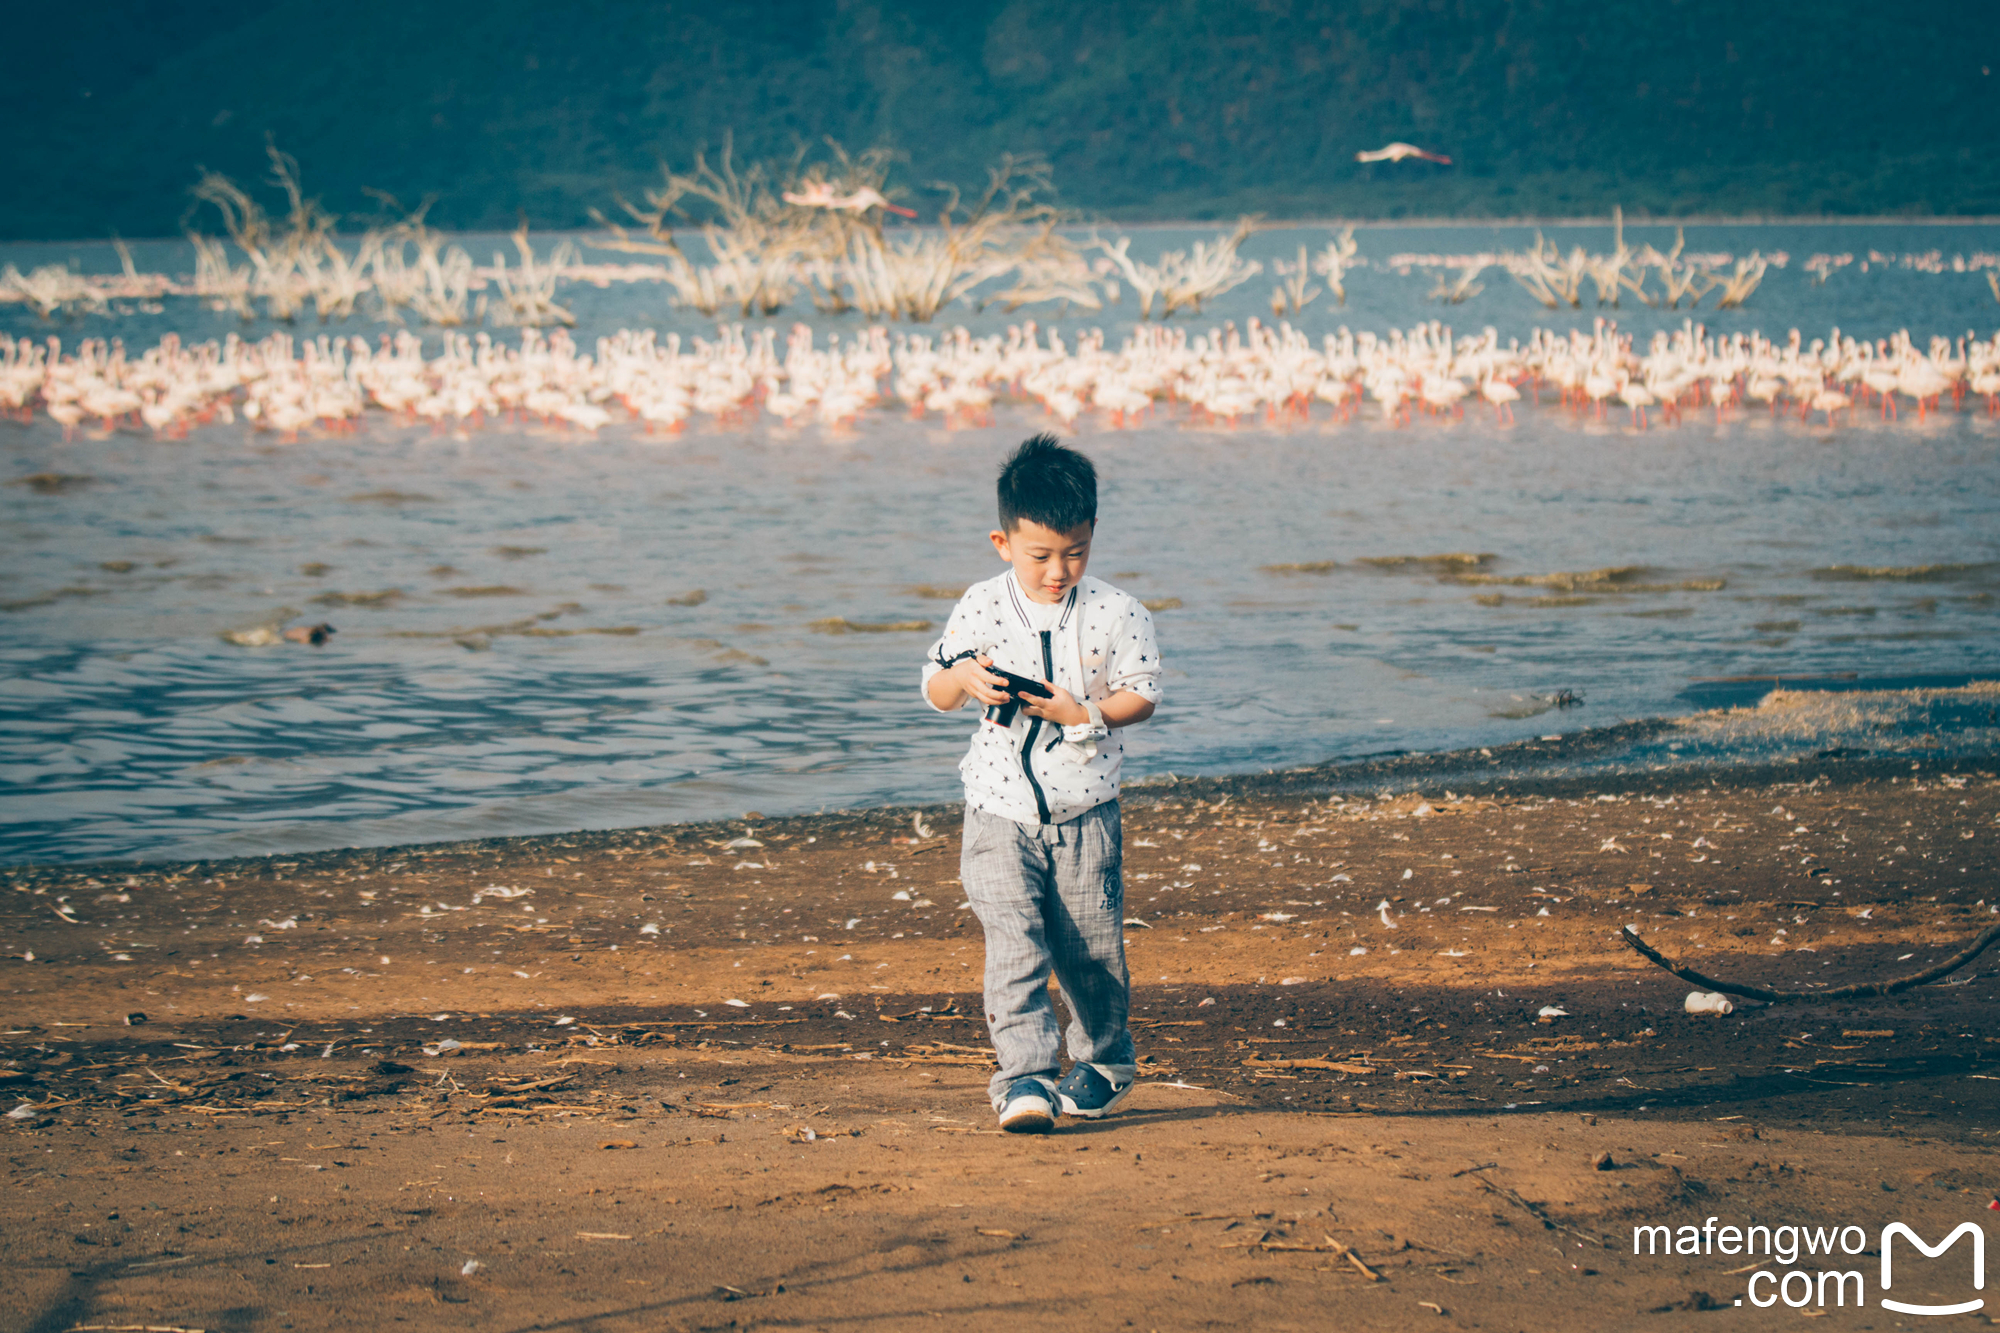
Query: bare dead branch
{"type": "Point", "coordinates": [1864, 990]}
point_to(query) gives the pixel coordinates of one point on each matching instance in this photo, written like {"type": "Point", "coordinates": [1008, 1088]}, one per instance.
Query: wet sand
{"type": "Point", "coordinates": [768, 1109]}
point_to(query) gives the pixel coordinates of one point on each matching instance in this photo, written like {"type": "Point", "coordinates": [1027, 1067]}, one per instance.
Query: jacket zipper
{"type": "Point", "coordinates": [1034, 730]}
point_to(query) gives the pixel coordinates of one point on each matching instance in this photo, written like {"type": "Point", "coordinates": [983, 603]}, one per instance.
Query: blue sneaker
{"type": "Point", "coordinates": [1088, 1093]}
{"type": "Point", "coordinates": [1028, 1108]}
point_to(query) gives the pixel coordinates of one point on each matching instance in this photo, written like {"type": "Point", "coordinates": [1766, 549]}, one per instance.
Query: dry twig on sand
{"type": "Point", "coordinates": [1541, 1215]}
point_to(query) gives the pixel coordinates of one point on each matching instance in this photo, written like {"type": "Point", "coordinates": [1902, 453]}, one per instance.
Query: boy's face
{"type": "Point", "coordinates": [1047, 563]}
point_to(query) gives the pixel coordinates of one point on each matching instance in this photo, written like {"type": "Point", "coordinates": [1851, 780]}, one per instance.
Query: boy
{"type": "Point", "coordinates": [1041, 859]}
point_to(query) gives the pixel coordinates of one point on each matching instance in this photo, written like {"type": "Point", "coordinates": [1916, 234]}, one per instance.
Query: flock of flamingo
{"type": "Point", "coordinates": [1259, 374]}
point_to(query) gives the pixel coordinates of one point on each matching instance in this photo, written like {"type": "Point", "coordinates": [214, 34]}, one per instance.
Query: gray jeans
{"type": "Point", "coordinates": [1051, 896]}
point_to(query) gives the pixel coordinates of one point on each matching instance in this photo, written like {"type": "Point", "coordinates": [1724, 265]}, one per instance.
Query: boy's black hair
{"type": "Point", "coordinates": [1046, 482]}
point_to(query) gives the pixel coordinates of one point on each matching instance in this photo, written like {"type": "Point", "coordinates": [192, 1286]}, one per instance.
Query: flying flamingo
{"type": "Point", "coordinates": [1397, 152]}
{"type": "Point", "coordinates": [819, 194]}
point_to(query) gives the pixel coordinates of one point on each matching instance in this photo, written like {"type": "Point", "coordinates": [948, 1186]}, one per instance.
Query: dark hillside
{"type": "Point", "coordinates": [1172, 108]}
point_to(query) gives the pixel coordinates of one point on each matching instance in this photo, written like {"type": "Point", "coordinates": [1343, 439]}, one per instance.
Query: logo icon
{"type": "Point", "coordinates": [1972, 1229]}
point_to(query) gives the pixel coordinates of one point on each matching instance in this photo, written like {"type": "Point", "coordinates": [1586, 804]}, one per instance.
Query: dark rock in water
{"type": "Point", "coordinates": [52, 483]}
{"type": "Point", "coordinates": [392, 498]}
{"type": "Point", "coordinates": [381, 598]}
{"type": "Point", "coordinates": [842, 625]}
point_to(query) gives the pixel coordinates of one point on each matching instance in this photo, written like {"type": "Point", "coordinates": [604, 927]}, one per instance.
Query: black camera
{"type": "Point", "coordinates": [1018, 688]}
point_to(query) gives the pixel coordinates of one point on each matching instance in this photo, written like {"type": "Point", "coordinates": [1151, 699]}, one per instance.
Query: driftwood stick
{"type": "Point", "coordinates": [1864, 990]}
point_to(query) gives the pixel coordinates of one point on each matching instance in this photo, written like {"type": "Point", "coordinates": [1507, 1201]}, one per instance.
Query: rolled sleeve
{"type": "Point", "coordinates": [1135, 655]}
{"type": "Point", "coordinates": [958, 637]}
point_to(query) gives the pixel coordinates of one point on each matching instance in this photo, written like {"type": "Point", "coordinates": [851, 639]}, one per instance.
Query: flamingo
{"type": "Point", "coordinates": [1441, 393]}
{"type": "Point", "coordinates": [1987, 384]}
{"type": "Point", "coordinates": [1502, 395]}
{"type": "Point", "coordinates": [819, 194]}
{"type": "Point", "coordinates": [1398, 152]}
{"type": "Point", "coordinates": [1829, 401]}
{"type": "Point", "coordinates": [1598, 386]}
{"type": "Point", "coordinates": [1637, 397]}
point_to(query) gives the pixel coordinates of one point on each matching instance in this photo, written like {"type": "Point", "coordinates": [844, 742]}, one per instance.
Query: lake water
{"type": "Point", "coordinates": [541, 631]}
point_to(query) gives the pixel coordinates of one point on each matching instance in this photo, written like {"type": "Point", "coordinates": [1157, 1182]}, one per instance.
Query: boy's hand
{"type": "Point", "coordinates": [1060, 707]}
{"type": "Point", "coordinates": [980, 683]}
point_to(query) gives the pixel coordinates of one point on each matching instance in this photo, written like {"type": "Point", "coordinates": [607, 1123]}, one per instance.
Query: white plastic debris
{"type": "Point", "coordinates": [900, 896]}
{"type": "Point", "coordinates": [1276, 916]}
{"type": "Point", "coordinates": [24, 1111]}
{"type": "Point", "coordinates": [498, 891]}
{"type": "Point", "coordinates": [1551, 1011]}
{"type": "Point", "coordinates": [471, 1266]}
{"type": "Point", "coordinates": [1356, 951]}
{"type": "Point", "coordinates": [254, 998]}
{"type": "Point", "coordinates": [650, 928]}
{"type": "Point", "coordinates": [738, 844]}
{"type": "Point", "coordinates": [1709, 1002]}
{"type": "Point", "coordinates": [737, 1004]}
{"type": "Point", "coordinates": [564, 1021]}
{"type": "Point", "coordinates": [1207, 1001]}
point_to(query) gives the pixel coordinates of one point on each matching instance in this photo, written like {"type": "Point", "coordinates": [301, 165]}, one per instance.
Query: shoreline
{"type": "Point", "coordinates": [1479, 771]}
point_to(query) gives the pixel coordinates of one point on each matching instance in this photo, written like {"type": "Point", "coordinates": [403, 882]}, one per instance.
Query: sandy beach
{"type": "Point", "coordinates": [731, 1075]}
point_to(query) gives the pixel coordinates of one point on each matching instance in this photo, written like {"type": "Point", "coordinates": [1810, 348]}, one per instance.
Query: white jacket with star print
{"type": "Point", "coordinates": [1035, 772]}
